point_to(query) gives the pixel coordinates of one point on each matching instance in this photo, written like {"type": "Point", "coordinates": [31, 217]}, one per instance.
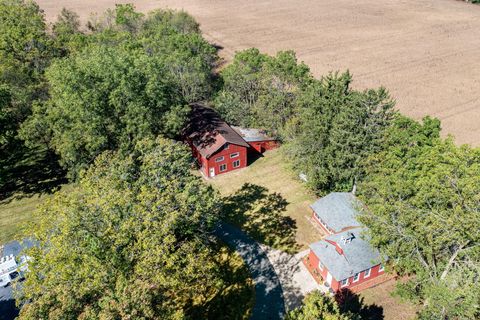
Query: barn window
{"type": "Point", "coordinates": [218, 159]}
{"type": "Point", "coordinates": [223, 167]}
{"type": "Point", "coordinates": [344, 282]}
{"type": "Point", "coordinates": [234, 155]}
{"type": "Point", "coordinates": [356, 277]}
{"type": "Point", "coordinates": [367, 273]}
{"type": "Point", "coordinates": [321, 266]}
{"type": "Point", "coordinates": [236, 163]}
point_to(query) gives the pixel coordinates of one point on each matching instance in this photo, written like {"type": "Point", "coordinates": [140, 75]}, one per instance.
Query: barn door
{"type": "Point", "coordinates": [212, 172]}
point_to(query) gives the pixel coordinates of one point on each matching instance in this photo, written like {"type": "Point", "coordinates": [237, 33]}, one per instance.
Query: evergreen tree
{"type": "Point", "coordinates": [335, 131]}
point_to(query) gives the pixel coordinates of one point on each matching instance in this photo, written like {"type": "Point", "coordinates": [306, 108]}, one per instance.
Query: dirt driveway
{"type": "Point", "coordinates": [425, 52]}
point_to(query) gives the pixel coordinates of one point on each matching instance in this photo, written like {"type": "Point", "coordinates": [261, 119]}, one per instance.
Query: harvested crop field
{"type": "Point", "coordinates": [425, 52]}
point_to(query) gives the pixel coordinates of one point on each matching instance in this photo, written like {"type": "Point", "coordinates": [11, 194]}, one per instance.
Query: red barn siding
{"type": "Point", "coordinates": [225, 153]}
{"type": "Point", "coordinates": [262, 146]}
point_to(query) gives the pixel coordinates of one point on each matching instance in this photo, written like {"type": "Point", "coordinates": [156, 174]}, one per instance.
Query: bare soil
{"type": "Point", "coordinates": [427, 53]}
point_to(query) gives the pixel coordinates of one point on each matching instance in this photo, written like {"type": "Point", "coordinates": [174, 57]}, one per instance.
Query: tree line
{"type": "Point", "coordinates": [132, 237]}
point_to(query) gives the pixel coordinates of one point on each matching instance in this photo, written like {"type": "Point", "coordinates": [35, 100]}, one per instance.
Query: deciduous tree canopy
{"type": "Point", "coordinates": [318, 306]}
{"type": "Point", "coordinates": [260, 90]}
{"type": "Point", "coordinates": [423, 198]}
{"type": "Point", "coordinates": [132, 79]}
{"type": "Point", "coordinates": [131, 240]}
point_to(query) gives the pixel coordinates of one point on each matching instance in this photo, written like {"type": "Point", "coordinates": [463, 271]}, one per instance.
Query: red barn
{"type": "Point", "coordinates": [343, 259]}
{"type": "Point", "coordinates": [215, 145]}
{"type": "Point", "coordinates": [218, 147]}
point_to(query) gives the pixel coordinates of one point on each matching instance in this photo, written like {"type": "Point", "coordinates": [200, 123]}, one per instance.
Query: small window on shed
{"type": "Point", "coordinates": [381, 268]}
{"type": "Point", "coordinates": [234, 155]}
{"type": "Point", "coordinates": [321, 266]}
{"type": "Point", "coordinates": [218, 159]}
{"type": "Point", "coordinates": [223, 167]}
{"type": "Point", "coordinates": [344, 282]}
{"type": "Point", "coordinates": [236, 163]}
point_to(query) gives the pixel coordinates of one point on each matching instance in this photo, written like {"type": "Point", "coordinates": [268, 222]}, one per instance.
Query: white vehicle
{"type": "Point", "coordinates": [10, 269]}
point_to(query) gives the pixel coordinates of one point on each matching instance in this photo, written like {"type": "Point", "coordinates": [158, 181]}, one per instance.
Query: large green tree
{"type": "Point", "coordinates": [133, 79]}
{"type": "Point", "coordinates": [260, 90]}
{"type": "Point", "coordinates": [319, 306]}
{"type": "Point", "coordinates": [130, 241]}
{"type": "Point", "coordinates": [335, 130]}
{"type": "Point", "coordinates": [24, 55]}
{"type": "Point", "coordinates": [423, 199]}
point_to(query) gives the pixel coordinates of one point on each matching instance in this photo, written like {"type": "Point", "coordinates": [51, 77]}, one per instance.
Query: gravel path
{"type": "Point", "coordinates": [269, 300]}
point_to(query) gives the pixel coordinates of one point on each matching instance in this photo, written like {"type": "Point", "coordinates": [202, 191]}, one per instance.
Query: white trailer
{"type": "Point", "coordinates": [11, 268]}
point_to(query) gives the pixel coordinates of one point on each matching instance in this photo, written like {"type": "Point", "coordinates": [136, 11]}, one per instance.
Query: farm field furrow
{"type": "Point", "coordinates": [425, 52]}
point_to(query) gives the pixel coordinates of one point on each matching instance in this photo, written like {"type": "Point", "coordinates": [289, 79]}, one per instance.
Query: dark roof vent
{"type": "Point", "coordinates": [349, 238]}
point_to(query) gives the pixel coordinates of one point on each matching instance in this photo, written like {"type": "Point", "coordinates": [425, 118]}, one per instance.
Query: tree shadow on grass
{"type": "Point", "coordinates": [260, 214]}
{"type": "Point", "coordinates": [24, 172]}
{"type": "Point", "coordinates": [352, 302]}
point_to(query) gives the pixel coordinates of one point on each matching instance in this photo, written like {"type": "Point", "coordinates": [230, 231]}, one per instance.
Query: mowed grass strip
{"type": "Point", "coordinates": [15, 213]}
{"type": "Point", "coordinates": [271, 173]}
{"type": "Point", "coordinates": [18, 210]}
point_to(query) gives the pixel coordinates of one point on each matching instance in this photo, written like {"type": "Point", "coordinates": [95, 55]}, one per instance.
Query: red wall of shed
{"type": "Point", "coordinates": [262, 146]}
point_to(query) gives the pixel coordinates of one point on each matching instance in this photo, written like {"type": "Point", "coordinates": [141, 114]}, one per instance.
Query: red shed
{"type": "Point", "coordinates": [258, 139]}
{"type": "Point", "coordinates": [215, 145]}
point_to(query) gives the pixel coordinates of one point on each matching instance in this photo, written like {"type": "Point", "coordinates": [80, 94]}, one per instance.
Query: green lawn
{"type": "Point", "coordinates": [262, 194]}
{"type": "Point", "coordinates": [14, 213]}
{"type": "Point", "coordinates": [393, 307]}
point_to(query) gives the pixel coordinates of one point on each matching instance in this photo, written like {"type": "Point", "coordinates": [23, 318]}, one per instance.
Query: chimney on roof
{"type": "Point", "coordinates": [337, 247]}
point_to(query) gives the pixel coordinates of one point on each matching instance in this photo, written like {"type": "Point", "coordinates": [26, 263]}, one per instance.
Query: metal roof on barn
{"type": "Point", "coordinates": [358, 255]}
{"type": "Point", "coordinates": [208, 132]}
{"type": "Point", "coordinates": [253, 135]}
{"type": "Point", "coordinates": [338, 210]}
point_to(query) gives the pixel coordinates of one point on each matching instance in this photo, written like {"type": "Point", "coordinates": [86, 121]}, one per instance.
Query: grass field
{"type": "Point", "coordinates": [269, 191]}
{"type": "Point", "coordinates": [425, 52]}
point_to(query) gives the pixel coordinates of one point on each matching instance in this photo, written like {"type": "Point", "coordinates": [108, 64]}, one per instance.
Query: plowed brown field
{"type": "Point", "coordinates": [427, 53]}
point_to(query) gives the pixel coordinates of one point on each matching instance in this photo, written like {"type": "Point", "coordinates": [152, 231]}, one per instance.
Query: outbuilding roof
{"type": "Point", "coordinates": [253, 135]}
{"type": "Point", "coordinates": [337, 210]}
{"type": "Point", "coordinates": [358, 255]}
{"type": "Point", "coordinates": [208, 132]}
